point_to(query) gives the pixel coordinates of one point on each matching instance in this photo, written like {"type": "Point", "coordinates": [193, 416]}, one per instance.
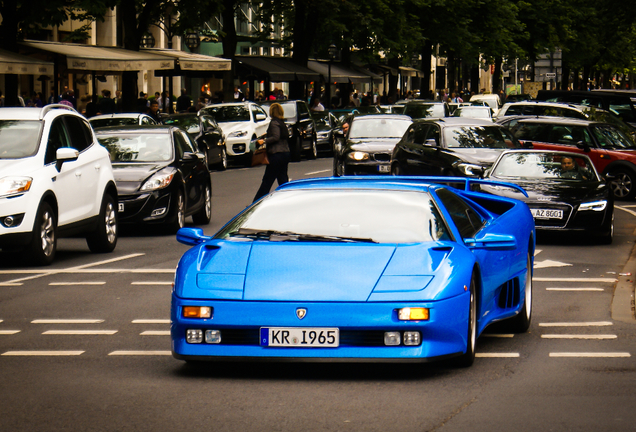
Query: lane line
{"type": "Point", "coordinates": [151, 321]}
{"type": "Point", "coordinates": [590, 354]}
{"type": "Point", "coordinates": [317, 172]}
{"type": "Point", "coordinates": [151, 283]}
{"type": "Point", "coordinates": [155, 333]}
{"type": "Point", "coordinates": [75, 283]}
{"type": "Point", "coordinates": [575, 289]}
{"type": "Point", "coordinates": [139, 353]}
{"type": "Point", "coordinates": [9, 332]}
{"type": "Point", "coordinates": [497, 355]}
{"type": "Point", "coordinates": [577, 324]}
{"type": "Point", "coordinates": [80, 332]}
{"type": "Point", "coordinates": [577, 336]}
{"type": "Point", "coordinates": [67, 321]}
{"type": "Point", "coordinates": [496, 335]}
{"type": "Point", "coordinates": [43, 353]}
{"type": "Point", "coordinates": [591, 280]}
{"type": "Point", "coordinates": [9, 284]}
{"type": "Point", "coordinates": [537, 251]}
{"type": "Point", "coordinates": [625, 209]}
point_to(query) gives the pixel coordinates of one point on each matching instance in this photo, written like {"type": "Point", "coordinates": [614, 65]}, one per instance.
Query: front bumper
{"type": "Point", "coordinates": [148, 207]}
{"type": "Point", "coordinates": [367, 168]}
{"type": "Point", "coordinates": [361, 327]}
{"type": "Point", "coordinates": [238, 146]}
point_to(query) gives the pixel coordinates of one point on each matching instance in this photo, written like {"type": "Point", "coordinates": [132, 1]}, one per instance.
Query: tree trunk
{"type": "Point", "coordinates": [451, 67]}
{"type": "Point", "coordinates": [229, 48]}
{"type": "Point", "coordinates": [394, 63]}
{"type": "Point", "coordinates": [496, 78]}
{"type": "Point", "coordinates": [9, 35]}
{"type": "Point", "coordinates": [427, 67]}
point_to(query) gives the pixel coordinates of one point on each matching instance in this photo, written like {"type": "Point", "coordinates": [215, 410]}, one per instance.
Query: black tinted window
{"type": "Point", "coordinates": [79, 133]}
{"type": "Point", "coordinates": [467, 220]}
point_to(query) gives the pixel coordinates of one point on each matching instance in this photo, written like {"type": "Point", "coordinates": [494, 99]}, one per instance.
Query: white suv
{"type": "Point", "coordinates": [55, 181]}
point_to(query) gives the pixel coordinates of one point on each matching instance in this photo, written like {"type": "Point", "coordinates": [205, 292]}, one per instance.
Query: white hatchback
{"type": "Point", "coordinates": [55, 181]}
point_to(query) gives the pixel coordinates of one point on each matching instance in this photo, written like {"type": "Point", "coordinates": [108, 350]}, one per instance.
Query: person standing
{"type": "Point", "coordinates": [183, 102]}
{"type": "Point", "coordinates": [166, 103]}
{"type": "Point", "coordinates": [153, 111]}
{"type": "Point", "coordinates": [277, 151]}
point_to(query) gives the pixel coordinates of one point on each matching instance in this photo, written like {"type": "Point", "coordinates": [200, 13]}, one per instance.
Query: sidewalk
{"type": "Point", "coordinates": [623, 300]}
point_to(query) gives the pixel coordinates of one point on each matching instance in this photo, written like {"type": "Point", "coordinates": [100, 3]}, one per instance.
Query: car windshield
{"type": "Point", "coordinates": [378, 128]}
{"type": "Point", "coordinates": [189, 123]}
{"type": "Point", "coordinates": [149, 147]}
{"type": "Point", "coordinates": [19, 138]}
{"type": "Point", "coordinates": [380, 216]}
{"type": "Point", "coordinates": [226, 114]}
{"type": "Point", "coordinates": [420, 110]}
{"type": "Point", "coordinates": [493, 137]}
{"type": "Point", "coordinates": [473, 112]}
{"type": "Point", "coordinates": [321, 118]}
{"type": "Point", "coordinates": [611, 138]}
{"type": "Point", "coordinates": [114, 121]}
{"type": "Point", "coordinates": [538, 165]}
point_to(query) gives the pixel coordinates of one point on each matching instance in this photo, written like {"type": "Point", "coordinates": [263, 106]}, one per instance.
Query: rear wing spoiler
{"type": "Point", "coordinates": [466, 181]}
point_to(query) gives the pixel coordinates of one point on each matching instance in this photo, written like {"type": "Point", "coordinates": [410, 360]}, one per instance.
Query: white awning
{"type": "Point", "coordinates": [12, 63]}
{"type": "Point", "coordinates": [193, 62]}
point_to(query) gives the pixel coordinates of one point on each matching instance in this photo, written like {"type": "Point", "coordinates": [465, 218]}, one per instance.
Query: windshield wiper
{"type": "Point", "coordinates": [273, 235]}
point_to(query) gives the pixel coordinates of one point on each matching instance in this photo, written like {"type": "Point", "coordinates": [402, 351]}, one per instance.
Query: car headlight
{"type": "Point", "coordinates": [14, 185]}
{"type": "Point", "coordinates": [358, 156]}
{"type": "Point", "coordinates": [469, 169]}
{"type": "Point", "coordinates": [594, 205]}
{"type": "Point", "coordinates": [290, 130]}
{"type": "Point", "coordinates": [158, 181]}
{"type": "Point", "coordinates": [237, 134]}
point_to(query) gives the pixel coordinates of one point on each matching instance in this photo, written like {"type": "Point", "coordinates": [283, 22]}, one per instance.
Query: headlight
{"type": "Point", "coordinates": [290, 130]}
{"type": "Point", "coordinates": [158, 181]}
{"type": "Point", "coordinates": [469, 169]}
{"type": "Point", "coordinates": [237, 134]}
{"type": "Point", "coordinates": [358, 156]}
{"type": "Point", "coordinates": [14, 185]}
{"type": "Point", "coordinates": [594, 205]}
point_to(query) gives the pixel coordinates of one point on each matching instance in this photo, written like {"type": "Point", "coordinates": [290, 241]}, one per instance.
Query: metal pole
{"type": "Point", "coordinates": [328, 89]}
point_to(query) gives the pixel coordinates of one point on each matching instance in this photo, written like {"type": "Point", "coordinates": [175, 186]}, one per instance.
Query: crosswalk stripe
{"type": "Point", "coordinates": [10, 284]}
{"type": "Point", "coordinates": [577, 336]}
{"type": "Point", "coordinates": [42, 353]}
{"type": "Point", "coordinates": [75, 283]}
{"type": "Point", "coordinates": [575, 289]}
{"type": "Point", "coordinates": [9, 332]}
{"type": "Point", "coordinates": [138, 353]}
{"type": "Point", "coordinates": [590, 354]}
{"type": "Point", "coordinates": [590, 280]}
{"type": "Point", "coordinates": [151, 321]}
{"type": "Point", "coordinates": [155, 333]}
{"type": "Point", "coordinates": [496, 335]}
{"type": "Point", "coordinates": [497, 355]}
{"type": "Point", "coordinates": [151, 283]}
{"type": "Point", "coordinates": [80, 332]}
{"type": "Point", "coordinates": [577, 324]}
{"type": "Point", "coordinates": [67, 321]}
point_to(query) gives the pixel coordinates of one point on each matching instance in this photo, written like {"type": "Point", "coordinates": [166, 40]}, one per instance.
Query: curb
{"type": "Point", "coordinates": [623, 299]}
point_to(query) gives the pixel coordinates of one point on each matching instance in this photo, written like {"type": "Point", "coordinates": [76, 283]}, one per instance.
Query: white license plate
{"type": "Point", "coordinates": [547, 214]}
{"type": "Point", "coordinates": [300, 337]}
{"type": "Point", "coordinates": [121, 207]}
{"type": "Point", "coordinates": [384, 168]}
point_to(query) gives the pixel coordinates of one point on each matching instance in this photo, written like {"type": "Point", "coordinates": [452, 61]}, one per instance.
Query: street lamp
{"type": "Point", "coordinates": [333, 55]}
{"type": "Point", "coordinates": [147, 41]}
{"type": "Point", "coordinates": [192, 40]}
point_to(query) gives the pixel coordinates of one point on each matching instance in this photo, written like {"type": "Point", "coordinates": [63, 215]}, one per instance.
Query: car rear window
{"type": "Point", "coordinates": [115, 121]}
{"type": "Point", "coordinates": [137, 147]}
{"type": "Point", "coordinates": [19, 138]}
{"type": "Point", "coordinates": [479, 137]}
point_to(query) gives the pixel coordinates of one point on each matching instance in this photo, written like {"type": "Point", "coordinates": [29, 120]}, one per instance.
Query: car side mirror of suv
{"type": "Point", "coordinates": [431, 142]}
{"type": "Point", "coordinates": [583, 146]}
{"type": "Point", "coordinates": [526, 144]}
{"type": "Point", "coordinates": [65, 154]}
{"type": "Point", "coordinates": [260, 117]}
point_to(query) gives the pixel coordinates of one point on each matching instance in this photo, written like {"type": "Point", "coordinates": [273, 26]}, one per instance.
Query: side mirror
{"type": "Point", "coordinates": [492, 241]}
{"type": "Point", "coordinates": [430, 142]}
{"type": "Point", "coordinates": [188, 156]}
{"type": "Point", "coordinates": [260, 117]}
{"type": "Point", "coordinates": [583, 146]}
{"type": "Point", "coordinates": [192, 236]}
{"type": "Point", "coordinates": [65, 154]}
{"type": "Point", "coordinates": [526, 144]}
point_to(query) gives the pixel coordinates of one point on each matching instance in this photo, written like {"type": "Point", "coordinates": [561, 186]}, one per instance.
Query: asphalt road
{"type": "Point", "coordinates": [575, 370]}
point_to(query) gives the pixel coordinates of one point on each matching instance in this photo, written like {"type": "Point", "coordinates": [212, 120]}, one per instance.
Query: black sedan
{"type": "Point", "coordinates": [452, 146]}
{"type": "Point", "coordinates": [326, 123]}
{"type": "Point", "coordinates": [161, 178]}
{"type": "Point", "coordinates": [206, 133]}
{"type": "Point", "coordinates": [565, 193]}
{"type": "Point", "coordinates": [367, 146]}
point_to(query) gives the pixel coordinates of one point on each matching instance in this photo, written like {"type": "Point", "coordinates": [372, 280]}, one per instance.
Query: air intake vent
{"type": "Point", "coordinates": [509, 294]}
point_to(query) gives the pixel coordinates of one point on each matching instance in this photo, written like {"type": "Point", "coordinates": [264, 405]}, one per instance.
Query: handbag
{"type": "Point", "coordinates": [260, 157]}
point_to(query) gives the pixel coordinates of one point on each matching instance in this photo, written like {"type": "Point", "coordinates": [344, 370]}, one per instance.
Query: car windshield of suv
{"type": "Point", "coordinates": [19, 138]}
{"type": "Point", "coordinates": [380, 216]}
{"type": "Point", "coordinates": [560, 133]}
{"type": "Point", "coordinates": [226, 114]}
{"type": "Point", "coordinates": [611, 138]}
{"type": "Point", "coordinates": [420, 110]}
{"type": "Point", "coordinates": [189, 123]}
{"type": "Point", "coordinates": [479, 137]}
{"type": "Point", "coordinates": [137, 147]}
{"type": "Point", "coordinates": [378, 128]}
{"type": "Point", "coordinates": [473, 112]}
{"type": "Point", "coordinates": [538, 165]}
{"type": "Point", "coordinates": [114, 121]}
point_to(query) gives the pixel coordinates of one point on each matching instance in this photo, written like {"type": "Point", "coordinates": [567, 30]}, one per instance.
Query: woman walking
{"type": "Point", "coordinates": [277, 151]}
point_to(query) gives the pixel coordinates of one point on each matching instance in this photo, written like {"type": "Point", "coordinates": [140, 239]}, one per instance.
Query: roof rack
{"type": "Point", "coordinates": [48, 108]}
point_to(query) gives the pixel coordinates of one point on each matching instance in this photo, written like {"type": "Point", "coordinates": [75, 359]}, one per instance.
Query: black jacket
{"type": "Point", "coordinates": [277, 136]}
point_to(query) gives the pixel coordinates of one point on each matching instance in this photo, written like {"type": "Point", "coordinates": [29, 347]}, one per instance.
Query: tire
{"type": "Point", "coordinates": [467, 359]}
{"type": "Point", "coordinates": [43, 245]}
{"type": "Point", "coordinates": [607, 232]}
{"type": "Point", "coordinates": [104, 238]}
{"type": "Point", "coordinates": [313, 150]}
{"type": "Point", "coordinates": [521, 322]}
{"type": "Point", "coordinates": [203, 216]}
{"type": "Point", "coordinates": [296, 150]}
{"type": "Point", "coordinates": [396, 170]}
{"type": "Point", "coordinates": [222, 166]}
{"type": "Point", "coordinates": [178, 218]}
{"type": "Point", "coordinates": [624, 184]}
{"type": "Point", "coordinates": [339, 168]}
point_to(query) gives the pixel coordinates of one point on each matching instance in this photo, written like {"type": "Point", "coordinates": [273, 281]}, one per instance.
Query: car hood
{"type": "Point", "coordinates": [130, 176]}
{"type": "Point", "coordinates": [552, 191]}
{"type": "Point", "coordinates": [374, 145]}
{"type": "Point", "coordinates": [479, 156]}
{"type": "Point", "coordinates": [290, 271]}
{"type": "Point", "coordinates": [229, 127]}
{"type": "Point", "coordinates": [18, 167]}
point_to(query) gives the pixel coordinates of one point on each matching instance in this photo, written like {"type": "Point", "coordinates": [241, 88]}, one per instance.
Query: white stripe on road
{"type": "Point", "coordinates": [590, 280]}
{"type": "Point", "coordinates": [151, 321]}
{"type": "Point", "coordinates": [591, 354]}
{"type": "Point", "coordinates": [577, 336]}
{"type": "Point", "coordinates": [80, 332]}
{"type": "Point", "coordinates": [9, 284]}
{"type": "Point", "coordinates": [151, 283]}
{"type": "Point", "coordinates": [577, 324]}
{"type": "Point", "coordinates": [9, 332]}
{"type": "Point", "coordinates": [495, 335]}
{"type": "Point", "coordinates": [43, 353]}
{"type": "Point", "coordinates": [67, 321]}
{"type": "Point", "coordinates": [155, 333]}
{"type": "Point", "coordinates": [497, 355]}
{"type": "Point", "coordinates": [317, 172]}
{"type": "Point", "coordinates": [139, 353]}
{"type": "Point", "coordinates": [575, 289]}
{"type": "Point", "coordinates": [625, 209]}
{"type": "Point", "coordinates": [76, 283]}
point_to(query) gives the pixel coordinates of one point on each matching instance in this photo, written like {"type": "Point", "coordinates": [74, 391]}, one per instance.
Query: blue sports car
{"type": "Point", "coordinates": [356, 269]}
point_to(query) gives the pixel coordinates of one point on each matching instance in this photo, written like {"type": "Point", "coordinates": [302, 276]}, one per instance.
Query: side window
{"type": "Point", "coordinates": [145, 120]}
{"type": "Point", "coordinates": [303, 111]}
{"type": "Point", "coordinates": [183, 143]}
{"type": "Point", "coordinates": [79, 135]}
{"type": "Point", "coordinates": [179, 144]}
{"type": "Point", "coordinates": [58, 138]}
{"type": "Point", "coordinates": [467, 220]}
{"type": "Point", "coordinates": [432, 134]}
{"type": "Point", "coordinates": [419, 136]}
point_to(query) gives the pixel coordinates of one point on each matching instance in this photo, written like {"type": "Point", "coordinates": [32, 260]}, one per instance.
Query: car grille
{"type": "Point", "coordinates": [382, 157]}
{"type": "Point", "coordinates": [347, 337]}
{"type": "Point", "coordinates": [552, 223]}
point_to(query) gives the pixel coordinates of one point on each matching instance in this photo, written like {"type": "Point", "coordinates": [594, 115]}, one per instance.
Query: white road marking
{"type": "Point", "coordinates": [575, 289]}
{"type": "Point", "coordinates": [155, 333]}
{"type": "Point", "coordinates": [549, 263]}
{"type": "Point", "coordinates": [67, 321]}
{"type": "Point", "coordinates": [577, 324]}
{"type": "Point", "coordinates": [9, 332]}
{"type": "Point", "coordinates": [151, 283]}
{"type": "Point", "coordinates": [537, 251]}
{"type": "Point", "coordinates": [151, 321]}
{"type": "Point", "coordinates": [75, 283]}
{"type": "Point", "coordinates": [9, 284]}
{"type": "Point", "coordinates": [135, 353]}
{"type": "Point", "coordinates": [43, 353]}
{"type": "Point", "coordinates": [577, 336]}
{"type": "Point", "coordinates": [495, 335]}
{"type": "Point", "coordinates": [590, 280]}
{"type": "Point", "coordinates": [591, 354]}
{"type": "Point", "coordinates": [497, 355]}
{"type": "Point", "coordinates": [317, 172]}
{"type": "Point", "coordinates": [80, 332]}
{"type": "Point", "coordinates": [625, 209]}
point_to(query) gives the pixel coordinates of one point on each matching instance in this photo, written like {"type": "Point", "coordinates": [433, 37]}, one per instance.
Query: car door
{"type": "Point", "coordinates": [306, 126]}
{"type": "Point", "coordinates": [191, 168]}
{"type": "Point", "coordinates": [261, 120]}
{"type": "Point", "coordinates": [412, 149]}
{"type": "Point", "coordinates": [212, 136]}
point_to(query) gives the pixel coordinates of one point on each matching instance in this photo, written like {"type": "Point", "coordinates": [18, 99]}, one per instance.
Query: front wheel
{"type": "Point", "coordinates": [313, 150]}
{"type": "Point", "coordinates": [203, 216]}
{"type": "Point", "coordinates": [295, 148]}
{"type": "Point", "coordinates": [624, 184]}
{"type": "Point", "coordinates": [468, 357]}
{"type": "Point", "coordinates": [521, 322]}
{"type": "Point", "coordinates": [41, 251]}
{"type": "Point", "coordinates": [607, 233]}
{"type": "Point", "coordinates": [178, 218]}
{"type": "Point", "coordinates": [104, 238]}
{"type": "Point", "coordinates": [222, 166]}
